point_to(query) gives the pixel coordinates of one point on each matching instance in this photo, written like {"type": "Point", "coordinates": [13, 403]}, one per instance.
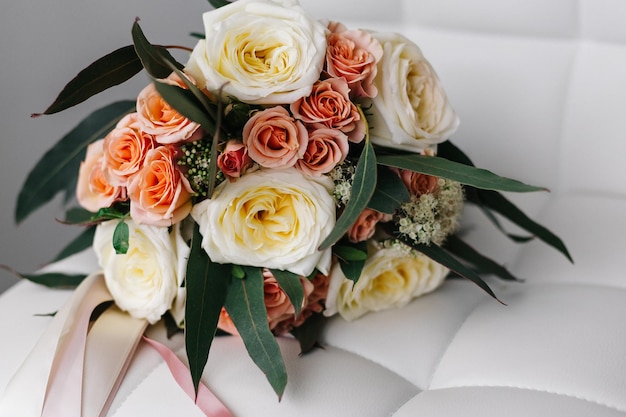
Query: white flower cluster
{"type": "Point", "coordinates": [429, 218]}
{"type": "Point", "coordinates": [342, 176]}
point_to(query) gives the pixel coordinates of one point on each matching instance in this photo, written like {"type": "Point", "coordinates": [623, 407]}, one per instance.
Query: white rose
{"type": "Point", "coordinates": [411, 111]}
{"type": "Point", "coordinates": [269, 218]}
{"type": "Point", "coordinates": [392, 276]}
{"type": "Point", "coordinates": [260, 51]}
{"type": "Point", "coordinates": [146, 280]}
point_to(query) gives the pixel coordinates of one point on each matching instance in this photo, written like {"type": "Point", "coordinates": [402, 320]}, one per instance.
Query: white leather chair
{"type": "Point", "coordinates": [540, 88]}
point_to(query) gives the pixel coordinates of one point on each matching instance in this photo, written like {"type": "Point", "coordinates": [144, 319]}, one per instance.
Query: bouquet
{"type": "Point", "coordinates": [291, 170]}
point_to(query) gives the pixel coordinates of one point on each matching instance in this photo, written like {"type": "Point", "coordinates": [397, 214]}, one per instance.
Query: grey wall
{"type": "Point", "coordinates": [43, 44]}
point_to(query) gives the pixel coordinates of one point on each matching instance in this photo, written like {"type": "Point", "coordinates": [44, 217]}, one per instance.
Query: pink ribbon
{"type": "Point", "coordinates": [210, 405]}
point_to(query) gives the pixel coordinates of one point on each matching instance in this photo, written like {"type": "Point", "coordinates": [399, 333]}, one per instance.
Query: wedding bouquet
{"type": "Point", "coordinates": [290, 171]}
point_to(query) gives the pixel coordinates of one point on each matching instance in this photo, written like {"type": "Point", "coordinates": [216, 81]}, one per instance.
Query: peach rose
{"type": "Point", "coordinates": [160, 194]}
{"type": "Point", "coordinates": [417, 183]}
{"type": "Point", "coordinates": [365, 225]}
{"type": "Point", "coordinates": [234, 159]}
{"type": "Point", "coordinates": [125, 148]}
{"type": "Point", "coordinates": [93, 191]}
{"type": "Point", "coordinates": [353, 55]}
{"type": "Point", "coordinates": [277, 303]}
{"type": "Point", "coordinates": [326, 148]}
{"type": "Point", "coordinates": [159, 119]}
{"type": "Point", "coordinates": [274, 139]}
{"type": "Point", "coordinates": [329, 105]}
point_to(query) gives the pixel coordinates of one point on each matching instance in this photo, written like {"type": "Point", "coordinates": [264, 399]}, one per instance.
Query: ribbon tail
{"type": "Point", "coordinates": [210, 405]}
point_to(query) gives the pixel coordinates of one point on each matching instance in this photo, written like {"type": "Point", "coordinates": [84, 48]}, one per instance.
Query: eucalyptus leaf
{"type": "Point", "coordinates": [390, 192]}
{"type": "Point", "coordinates": [186, 104]}
{"type": "Point", "coordinates": [207, 284]}
{"type": "Point", "coordinates": [486, 265]}
{"type": "Point", "coordinates": [291, 285]}
{"type": "Point", "coordinates": [82, 242]}
{"type": "Point", "coordinates": [245, 305]}
{"type": "Point", "coordinates": [498, 203]}
{"type": "Point", "coordinates": [77, 215]}
{"type": "Point", "coordinates": [152, 57]}
{"type": "Point", "coordinates": [352, 257]}
{"type": "Point", "coordinates": [465, 174]}
{"type": "Point", "coordinates": [110, 70]}
{"type": "Point", "coordinates": [219, 3]}
{"type": "Point", "coordinates": [120, 238]}
{"type": "Point", "coordinates": [55, 279]}
{"type": "Point", "coordinates": [308, 332]}
{"type": "Point", "coordinates": [60, 164]}
{"type": "Point", "coordinates": [363, 188]}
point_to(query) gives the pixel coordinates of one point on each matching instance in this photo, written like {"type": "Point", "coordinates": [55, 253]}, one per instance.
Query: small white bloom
{"type": "Point", "coordinates": [146, 280]}
{"type": "Point", "coordinates": [411, 111]}
{"type": "Point", "coordinates": [269, 218]}
{"type": "Point", "coordinates": [392, 276]}
{"type": "Point", "coordinates": [260, 51]}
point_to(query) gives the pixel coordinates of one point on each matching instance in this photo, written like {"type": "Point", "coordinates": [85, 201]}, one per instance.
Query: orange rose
{"type": "Point", "coordinates": [329, 105]}
{"type": "Point", "coordinates": [326, 148]}
{"type": "Point", "coordinates": [274, 139]}
{"type": "Point", "coordinates": [159, 119]}
{"type": "Point", "coordinates": [365, 225]}
{"type": "Point", "coordinates": [125, 148]}
{"type": "Point", "coordinates": [234, 159]}
{"type": "Point", "coordinates": [419, 184]}
{"type": "Point", "coordinates": [93, 191]}
{"type": "Point", "coordinates": [353, 55]}
{"type": "Point", "coordinates": [160, 195]}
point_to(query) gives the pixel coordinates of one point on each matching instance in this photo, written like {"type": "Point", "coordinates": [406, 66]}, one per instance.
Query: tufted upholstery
{"type": "Point", "coordinates": [540, 89]}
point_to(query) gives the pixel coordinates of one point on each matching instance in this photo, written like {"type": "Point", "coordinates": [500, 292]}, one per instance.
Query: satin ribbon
{"type": "Point", "coordinates": [74, 371]}
{"type": "Point", "coordinates": [27, 391]}
{"type": "Point", "coordinates": [210, 405]}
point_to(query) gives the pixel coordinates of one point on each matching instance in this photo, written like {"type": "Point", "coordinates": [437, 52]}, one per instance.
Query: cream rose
{"type": "Point", "coordinates": [411, 111]}
{"type": "Point", "coordinates": [260, 51]}
{"type": "Point", "coordinates": [146, 280]}
{"type": "Point", "coordinates": [269, 218]}
{"type": "Point", "coordinates": [392, 276]}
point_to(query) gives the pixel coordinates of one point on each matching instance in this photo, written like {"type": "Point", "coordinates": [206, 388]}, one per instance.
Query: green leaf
{"type": "Point", "coordinates": [486, 265]}
{"type": "Point", "coordinates": [110, 70]}
{"type": "Point", "coordinates": [363, 188]}
{"type": "Point", "coordinates": [390, 192]}
{"type": "Point", "coordinates": [498, 203]}
{"type": "Point", "coordinates": [52, 279]}
{"type": "Point", "coordinates": [438, 254]}
{"type": "Point", "coordinates": [152, 57]}
{"type": "Point", "coordinates": [290, 283]}
{"type": "Point", "coordinates": [245, 305]}
{"type": "Point", "coordinates": [308, 332]}
{"type": "Point", "coordinates": [469, 175]}
{"type": "Point", "coordinates": [219, 3]}
{"type": "Point", "coordinates": [77, 215]}
{"type": "Point", "coordinates": [197, 35]}
{"type": "Point", "coordinates": [80, 243]}
{"type": "Point", "coordinates": [238, 272]}
{"type": "Point", "coordinates": [60, 164]}
{"type": "Point", "coordinates": [352, 257]}
{"type": "Point", "coordinates": [120, 238]}
{"type": "Point", "coordinates": [207, 286]}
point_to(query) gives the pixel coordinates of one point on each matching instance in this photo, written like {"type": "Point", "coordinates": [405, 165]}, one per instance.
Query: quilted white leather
{"type": "Point", "coordinates": [539, 87]}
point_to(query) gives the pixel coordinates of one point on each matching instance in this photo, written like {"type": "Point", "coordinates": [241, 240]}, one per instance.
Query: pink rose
{"type": "Point", "coordinates": [329, 105]}
{"type": "Point", "coordinates": [365, 225]}
{"type": "Point", "coordinates": [234, 159]}
{"type": "Point", "coordinates": [353, 55]}
{"type": "Point", "coordinates": [93, 191]}
{"type": "Point", "coordinates": [274, 139]}
{"type": "Point", "coordinates": [326, 148]}
{"type": "Point", "coordinates": [159, 119]}
{"type": "Point", "coordinates": [277, 303]}
{"type": "Point", "coordinates": [125, 148]}
{"type": "Point", "coordinates": [417, 183]}
{"type": "Point", "coordinates": [160, 194]}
